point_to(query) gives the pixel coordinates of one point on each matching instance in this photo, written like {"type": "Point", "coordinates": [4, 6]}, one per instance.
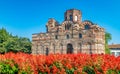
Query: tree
{"type": "Point", "coordinates": [17, 44]}
{"type": "Point", "coordinates": [4, 36]}
{"type": "Point", "coordinates": [108, 37]}
{"type": "Point", "coordinates": [25, 44]}
{"type": "Point", "coordinates": [8, 43]}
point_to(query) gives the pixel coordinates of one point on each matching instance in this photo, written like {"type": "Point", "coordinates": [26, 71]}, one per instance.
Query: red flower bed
{"type": "Point", "coordinates": [63, 64]}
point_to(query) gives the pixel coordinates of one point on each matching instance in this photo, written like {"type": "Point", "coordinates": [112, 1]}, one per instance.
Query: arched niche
{"type": "Point", "coordinates": [69, 48]}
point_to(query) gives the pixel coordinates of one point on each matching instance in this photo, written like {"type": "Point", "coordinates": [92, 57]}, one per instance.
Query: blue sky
{"type": "Point", "coordinates": [25, 17]}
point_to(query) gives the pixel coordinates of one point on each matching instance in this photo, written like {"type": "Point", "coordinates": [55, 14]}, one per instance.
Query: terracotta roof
{"type": "Point", "coordinates": [114, 46]}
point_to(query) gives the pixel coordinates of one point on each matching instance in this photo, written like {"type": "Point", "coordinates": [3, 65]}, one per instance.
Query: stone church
{"type": "Point", "coordinates": [71, 36]}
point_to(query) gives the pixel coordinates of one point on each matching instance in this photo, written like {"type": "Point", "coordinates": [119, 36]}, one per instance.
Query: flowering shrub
{"type": "Point", "coordinates": [21, 63]}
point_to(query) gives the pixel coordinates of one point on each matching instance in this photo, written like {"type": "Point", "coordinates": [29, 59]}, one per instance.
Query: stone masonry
{"type": "Point", "coordinates": [71, 36]}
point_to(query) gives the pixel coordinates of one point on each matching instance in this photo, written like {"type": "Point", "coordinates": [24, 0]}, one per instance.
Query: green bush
{"type": "Point", "coordinates": [8, 67]}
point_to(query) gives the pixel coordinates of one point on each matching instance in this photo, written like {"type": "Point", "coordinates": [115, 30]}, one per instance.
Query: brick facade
{"type": "Point", "coordinates": [71, 36]}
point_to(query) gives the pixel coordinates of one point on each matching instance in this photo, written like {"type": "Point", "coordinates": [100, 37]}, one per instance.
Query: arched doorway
{"type": "Point", "coordinates": [69, 48]}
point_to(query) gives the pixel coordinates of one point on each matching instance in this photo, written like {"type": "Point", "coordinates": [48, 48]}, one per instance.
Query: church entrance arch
{"type": "Point", "coordinates": [69, 48]}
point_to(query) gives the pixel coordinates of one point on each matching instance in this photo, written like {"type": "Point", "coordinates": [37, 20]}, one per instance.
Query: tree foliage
{"type": "Point", "coordinates": [8, 43]}
{"type": "Point", "coordinates": [108, 37]}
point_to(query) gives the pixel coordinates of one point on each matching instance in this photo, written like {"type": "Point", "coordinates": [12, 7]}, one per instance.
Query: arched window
{"type": "Point", "coordinates": [65, 18]}
{"type": "Point", "coordinates": [56, 36]}
{"type": "Point", "coordinates": [47, 51]}
{"type": "Point", "coordinates": [87, 27]}
{"type": "Point", "coordinates": [76, 18]}
{"type": "Point", "coordinates": [80, 35]}
{"type": "Point", "coordinates": [67, 36]}
{"type": "Point", "coordinates": [71, 17]}
{"type": "Point", "coordinates": [67, 27]}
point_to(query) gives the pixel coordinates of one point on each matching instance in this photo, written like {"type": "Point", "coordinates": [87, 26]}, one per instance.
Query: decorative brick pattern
{"type": "Point", "coordinates": [71, 36]}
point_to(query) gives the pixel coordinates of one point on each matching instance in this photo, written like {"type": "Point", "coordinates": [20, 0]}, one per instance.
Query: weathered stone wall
{"type": "Point", "coordinates": [62, 37]}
